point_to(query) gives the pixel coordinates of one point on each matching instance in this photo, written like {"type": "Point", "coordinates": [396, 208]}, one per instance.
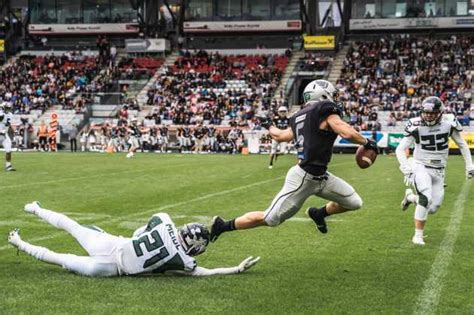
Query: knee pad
{"type": "Point", "coordinates": [354, 202]}
{"type": "Point", "coordinates": [423, 200]}
{"type": "Point", "coordinates": [421, 213]}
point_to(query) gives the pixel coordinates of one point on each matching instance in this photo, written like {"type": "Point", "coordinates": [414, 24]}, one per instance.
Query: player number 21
{"type": "Point", "coordinates": [151, 246]}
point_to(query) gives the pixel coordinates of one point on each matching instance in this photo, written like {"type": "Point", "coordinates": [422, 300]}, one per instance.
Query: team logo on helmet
{"type": "Point", "coordinates": [195, 238]}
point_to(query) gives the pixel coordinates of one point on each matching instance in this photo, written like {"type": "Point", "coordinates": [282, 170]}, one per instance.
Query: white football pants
{"type": "Point", "coordinates": [101, 247]}
{"type": "Point", "coordinates": [429, 184]}
{"type": "Point", "coordinates": [300, 185]}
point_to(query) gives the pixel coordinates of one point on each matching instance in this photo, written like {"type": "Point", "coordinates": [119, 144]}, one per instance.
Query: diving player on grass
{"type": "Point", "coordinates": [314, 129]}
{"type": "Point", "coordinates": [155, 248]}
{"type": "Point", "coordinates": [430, 133]}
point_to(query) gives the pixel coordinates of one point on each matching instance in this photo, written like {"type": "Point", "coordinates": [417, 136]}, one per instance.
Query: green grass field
{"type": "Point", "coordinates": [365, 264]}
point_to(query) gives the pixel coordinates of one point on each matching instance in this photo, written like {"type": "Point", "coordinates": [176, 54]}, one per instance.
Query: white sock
{"type": "Point", "coordinates": [8, 164]}
{"type": "Point", "coordinates": [419, 232]}
{"type": "Point", "coordinates": [412, 198]}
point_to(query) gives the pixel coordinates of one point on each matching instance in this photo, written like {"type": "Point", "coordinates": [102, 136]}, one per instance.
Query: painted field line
{"type": "Point", "coordinates": [428, 299]}
{"type": "Point", "coordinates": [158, 209]}
{"type": "Point", "coordinates": [162, 208]}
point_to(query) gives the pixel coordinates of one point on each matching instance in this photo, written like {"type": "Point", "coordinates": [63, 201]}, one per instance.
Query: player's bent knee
{"type": "Point", "coordinates": [421, 213]}
{"type": "Point", "coordinates": [423, 200]}
{"type": "Point", "coordinates": [355, 202]}
{"type": "Point", "coordinates": [433, 209]}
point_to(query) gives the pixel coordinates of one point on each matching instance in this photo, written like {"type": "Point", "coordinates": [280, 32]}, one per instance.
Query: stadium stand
{"type": "Point", "coordinates": [383, 81]}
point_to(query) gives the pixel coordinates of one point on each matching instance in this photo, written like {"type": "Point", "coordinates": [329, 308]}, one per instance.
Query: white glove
{"type": "Point", "coordinates": [470, 172]}
{"type": "Point", "coordinates": [409, 175]}
{"type": "Point", "coordinates": [247, 263]}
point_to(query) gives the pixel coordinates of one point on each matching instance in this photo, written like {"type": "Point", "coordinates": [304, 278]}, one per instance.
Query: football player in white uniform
{"type": "Point", "coordinates": [430, 134]}
{"type": "Point", "coordinates": [155, 248]}
{"type": "Point", "coordinates": [281, 121]}
{"type": "Point", "coordinates": [6, 134]}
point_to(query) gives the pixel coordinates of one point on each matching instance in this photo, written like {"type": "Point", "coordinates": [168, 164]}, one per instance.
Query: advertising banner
{"type": "Point", "coordinates": [241, 26]}
{"type": "Point", "coordinates": [394, 139]}
{"type": "Point", "coordinates": [381, 138]}
{"type": "Point", "coordinates": [469, 137]}
{"type": "Point", "coordinates": [53, 29]}
{"type": "Point", "coordinates": [2, 45]}
{"type": "Point", "coordinates": [411, 23]}
{"type": "Point", "coordinates": [319, 42]}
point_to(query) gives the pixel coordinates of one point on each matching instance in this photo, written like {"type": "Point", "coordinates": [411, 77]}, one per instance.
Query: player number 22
{"type": "Point", "coordinates": [151, 246]}
{"type": "Point", "coordinates": [437, 142]}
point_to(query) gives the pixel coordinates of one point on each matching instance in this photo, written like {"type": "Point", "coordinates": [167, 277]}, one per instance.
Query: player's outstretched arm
{"type": "Point", "coordinates": [345, 130]}
{"type": "Point", "coordinates": [466, 153]}
{"type": "Point", "coordinates": [281, 135]}
{"type": "Point", "coordinates": [246, 264]}
{"type": "Point", "coordinates": [405, 166]}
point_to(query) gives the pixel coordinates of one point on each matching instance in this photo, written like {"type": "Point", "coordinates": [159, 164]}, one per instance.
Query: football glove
{"type": "Point", "coordinates": [470, 173]}
{"type": "Point", "coordinates": [409, 179]}
{"type": "Point", "coordinates": [265, 121]}
{"type": "Point", "coordinates": [247, 263]}
{"type": "Point", "coordinates": [371, 145]}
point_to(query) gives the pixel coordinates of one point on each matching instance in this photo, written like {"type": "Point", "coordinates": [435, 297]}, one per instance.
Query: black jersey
{"type": "Point", "coordinates": [186, 132]}
{"type": "Point", "coordinates": [211, 132]}
{"type": "Point", "coordinates": [199, 132]}
{"type": "Point", "coordinates": [314, 145]}
{"type": "Point", "coordinates": [164, 131]}
{"type": "Point", "coordinates": [135, 131]}
{"type": "Point", "coordinates": [281, 122]}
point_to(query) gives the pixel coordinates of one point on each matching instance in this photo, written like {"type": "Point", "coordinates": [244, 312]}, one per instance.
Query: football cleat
{"type": "Point", "coordinates": [14, 237]}
{"type": "Point", "coordinates": [33, 207]}
{"type": "Point", "coordinates": [216, 228]}
{"type": "Point", "coordinates": [318, 218]}
{"type": "Point", "coordinates": [418, 240]}
{"type": "Point", "coordinates": [10, 168]}
{"type": "Point", "coordinates": [405, 202]}
{"type": "Point", "coordinates": [270, 167]}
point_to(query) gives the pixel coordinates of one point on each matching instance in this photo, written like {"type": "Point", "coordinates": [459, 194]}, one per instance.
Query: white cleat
{"type": "Point", "coordinates": [14, 237]}
{"type": "Point", "coordinates": [270, 167]}
{"type": "Point", "coordinates": [418, 240]}
{"type": "Point", "coordinates": [405, 202]}
{"type": "Point", "coordinates": [32, 207]}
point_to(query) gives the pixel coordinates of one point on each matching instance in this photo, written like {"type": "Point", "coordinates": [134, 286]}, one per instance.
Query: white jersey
{"type": "Point", "coordinates": [5, 122]}
{"type": "Point", "coordinates": [431, 142]}
{"type": "Point", "coordinates": [156, 249]}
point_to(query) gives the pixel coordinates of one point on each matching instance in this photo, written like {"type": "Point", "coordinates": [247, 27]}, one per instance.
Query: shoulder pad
{"type": "Point", "coordinates": [328, 108]}
{"type": "Point", "coordinates": [452, 121]}
{"type": "Point", "coordinates": [412, 126]}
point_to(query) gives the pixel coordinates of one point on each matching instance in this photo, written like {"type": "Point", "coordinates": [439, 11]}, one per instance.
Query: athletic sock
{"type": "Point", "coordinates": [228, 226]}
{"type": "Point", "coordinates": [418, 232]}
{"type": "Point", "coordinates": [8, 164]}
{"type": "Point", "coordinates": [322, 212]}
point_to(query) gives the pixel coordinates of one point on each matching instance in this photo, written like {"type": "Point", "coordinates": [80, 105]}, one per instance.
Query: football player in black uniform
{"type": "Point", "coordinates": [314, 129]}
{"type": "Point", "coordinates": [281, 121]}
{"type": "Point", "coordinates": [134, 135]}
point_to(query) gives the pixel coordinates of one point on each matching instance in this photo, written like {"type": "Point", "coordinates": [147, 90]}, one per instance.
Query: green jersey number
{"type": "Point", "coordinates": [156, 244]}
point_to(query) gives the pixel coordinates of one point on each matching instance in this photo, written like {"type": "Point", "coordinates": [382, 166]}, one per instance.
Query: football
{"type": "Point", "coordinates": [364, 157]}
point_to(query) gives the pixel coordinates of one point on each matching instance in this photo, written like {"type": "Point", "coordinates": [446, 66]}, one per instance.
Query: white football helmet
{"type": "Point", "coordinates": [432, 110]}
{"type": "Point", "coordinates": [319, 90]}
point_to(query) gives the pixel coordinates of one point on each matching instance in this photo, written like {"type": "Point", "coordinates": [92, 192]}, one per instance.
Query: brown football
{"type": "Point", "coordinates": [365, 158]}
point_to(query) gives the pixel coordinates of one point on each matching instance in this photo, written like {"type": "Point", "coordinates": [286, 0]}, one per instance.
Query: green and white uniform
{"type": "Point", "coordinates": [154, 248]}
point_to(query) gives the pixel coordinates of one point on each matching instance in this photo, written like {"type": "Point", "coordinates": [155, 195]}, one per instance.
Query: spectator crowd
{"type": "Point", "coordinates": [396, 74]}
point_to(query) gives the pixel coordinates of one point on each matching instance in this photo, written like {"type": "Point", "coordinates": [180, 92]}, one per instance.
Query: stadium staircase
{"type": "Point", "coordinates": [290, 68]}
{"type": "Point", "coordinates": [336, 66]}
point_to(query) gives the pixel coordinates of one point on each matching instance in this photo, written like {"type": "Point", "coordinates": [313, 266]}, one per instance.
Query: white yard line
{"type": "Point", "coordinates": [429, 298]}
{"type": "Point", "coordinates": [162, 208]}
{"type": "Point", "coordinates": [158, 209]}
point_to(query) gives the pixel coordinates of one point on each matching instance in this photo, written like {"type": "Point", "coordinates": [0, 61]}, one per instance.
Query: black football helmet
{"type": "Point", "coordinates": [194, 238]}
{"type": "Point", "coordinates": [432, 110]}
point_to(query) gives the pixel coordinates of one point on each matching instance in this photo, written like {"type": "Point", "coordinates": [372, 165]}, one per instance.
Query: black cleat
{"type": "Point", "coordinates": [216, 228]}
{"type": "Point", "coordinates": [316, 215]}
